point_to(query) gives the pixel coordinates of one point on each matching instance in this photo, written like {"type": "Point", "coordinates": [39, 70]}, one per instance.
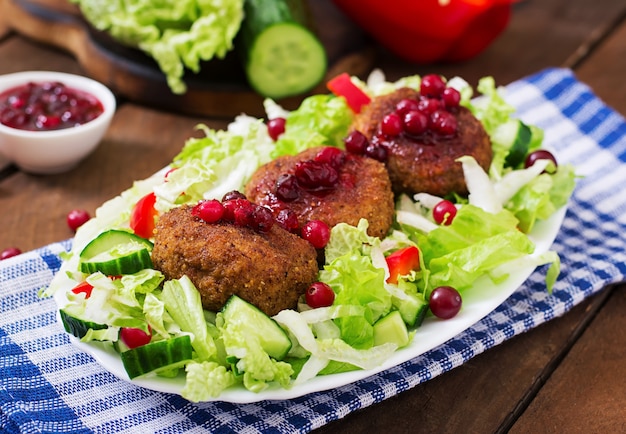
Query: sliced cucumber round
{"type": "Point", "coordinates": [274, 340]}
{"type": "Point", "coordinates": [282, 57]}
{"type": "Point", "coordinates": [116, 252]}
{"type": "Point", "coordinates": [157, 356]}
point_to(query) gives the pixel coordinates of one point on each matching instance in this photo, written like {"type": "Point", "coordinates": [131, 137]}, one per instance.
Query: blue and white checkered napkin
{"type": "Point", "coordinates": [47, 385]}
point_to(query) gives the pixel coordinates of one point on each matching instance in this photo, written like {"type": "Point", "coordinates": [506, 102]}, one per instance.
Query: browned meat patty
{"type": "Point", "coordinates": [427, 165]}
{"type": "Point", "coordinates": [363, 190]}
{"type": "Point", "coordinates": [270, 270]}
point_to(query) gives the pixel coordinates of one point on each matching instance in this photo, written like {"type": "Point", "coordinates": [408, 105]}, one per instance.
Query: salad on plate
{"type": "Point", "coordinates": [378, 301]}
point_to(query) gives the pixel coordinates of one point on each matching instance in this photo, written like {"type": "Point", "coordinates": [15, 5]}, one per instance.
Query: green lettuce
{"type": "Point", "coordinates": [206, 380]}
{"type": "Point", "coordinates": [209, 167]}
{"type": "Point", "coordinates": [256, 366]}
{"type": "Point", "coordinates": [356, 280]}
{"type": "Point", "coordinates": [477, 241]}
{"type": "Point", "coordinates": [177, 34]}
{"type": "Point", "coordinates": [182, 302]}
{"type": "Point", "coordinates": [321, 120]}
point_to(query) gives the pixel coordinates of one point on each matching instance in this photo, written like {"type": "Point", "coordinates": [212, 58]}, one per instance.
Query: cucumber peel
{"type": "Point", "coordinates": [155, 357]}
{"type": "Point", "coordinates": [76, 326]}
{"type": "Point", "coordinates": [516, 136]}
{"type": "Point", "coordinates": [413, 309]}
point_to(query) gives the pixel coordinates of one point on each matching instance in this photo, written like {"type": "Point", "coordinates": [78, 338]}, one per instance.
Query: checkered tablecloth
{"type": "Point", "coordinates": [47, 385]}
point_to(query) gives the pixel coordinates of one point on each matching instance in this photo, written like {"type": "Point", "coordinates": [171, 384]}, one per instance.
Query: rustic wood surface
{"type": "Point", "coordinates": [565, 376]}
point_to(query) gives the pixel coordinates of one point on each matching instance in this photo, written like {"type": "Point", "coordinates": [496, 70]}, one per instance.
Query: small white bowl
{"type": "Point", "coordinates": [55, 151]}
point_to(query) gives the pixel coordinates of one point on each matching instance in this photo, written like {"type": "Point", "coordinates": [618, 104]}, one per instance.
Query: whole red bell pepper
{"type": "Point", "coordinates": [426, 31]}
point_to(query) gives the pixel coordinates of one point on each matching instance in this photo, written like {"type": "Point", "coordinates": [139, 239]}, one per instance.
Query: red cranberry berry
{"type": "Point", "coordinates": [444, 212]}
{"type": "Point", "coordinates": [288, 219]}
{"type": "Point", "coordinates": [9, 253]}
{"type": "Point", "coordinates": [415, 122]}
{"type": "Point", "coordinates": [233, 195]}
{"type": "Point", "coordinates": [445, 302]}
{"type": "Point", "coordinates": [243, 215]}
{"type": "Point", "coordinates": [391, 125]}
{"type": "Point", "coordinates": [276, 127]}
{"type": "Point", "coordinates": [432, 85]}
{"type": "Point", "coordinates": [377, 152]}
{"type": "Point", "coordinates": [540, 154]}
{"type": "Point", "coordinates": [232, 205]}
{"type": "Point", "coordinates": [356, 142]}
{"type": "Point", "coordinates": [211, 211]}
{"type": "Point", "coordinates": [319, 294]}
{"type": "Point", "coordinates": [262, 219]}
{"type": "Point", "coordinates": [406, 105]}
{"type": "Point", "coordinates": [287, 188]}
{"type": "Point", "coordinates": [76, 218]}
{"type": "Point", "coordinates": [331, 155]}
{"type": "Point", "coordinates": [47, 122]}
{"type": "Point", "coordinates": [451, 97]}
{"type": "Point", "coordinates": [317, 233]}
{"type": "Point", "coordinates": [443, 123]}
{"type": "Point", "coordinates": [429, 105]}
{"type": "Point", "coordinates": [134, 337]}
{"type": "Point", "coordinates": [314, 175]}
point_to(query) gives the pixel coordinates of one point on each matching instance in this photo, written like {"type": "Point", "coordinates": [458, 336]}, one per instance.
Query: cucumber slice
{"type": "Point", "coordinates": [78, 327]}
{"type": "Point", "coordinates": [157, 356]}
{"type": "Point", "coordinates": [116, 252]}
{"type": "Point", "coordinates": [273, 338]}
{"type": "Point", "coordinates": [413, 309]}
{"type": "Point", "coordinates": [391, 329]}
{"type": "Point", "coordinates": [281, 56]}
{"type": "Point", "coordinates": [516, 136]}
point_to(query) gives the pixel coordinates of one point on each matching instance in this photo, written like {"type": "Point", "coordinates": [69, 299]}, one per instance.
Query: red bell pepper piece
{"type": "Point", "coordinates": [401, 262]}
{"type": "Point", "coordinates": [342, 85]}
{"type": "Point", "coordinates": [143, 215]}
{"type": "Point", "coordinates": [83, 287]}
{"type": "Point", "coordinates": [426, 31]}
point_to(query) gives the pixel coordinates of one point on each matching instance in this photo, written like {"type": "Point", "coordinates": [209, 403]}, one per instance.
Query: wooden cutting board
{"type": "Point", "coordinates": [219, 90]}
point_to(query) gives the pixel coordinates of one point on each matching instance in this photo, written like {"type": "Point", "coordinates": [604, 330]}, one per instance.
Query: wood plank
{"type": "Point", "coordinates": [579, 397]}
{"type": "Point", "coordinates": [605, 68]}
{"type": "Point", "coordinates": [478, 396]}
{"type": "Point", "coordinates": [39, 57]}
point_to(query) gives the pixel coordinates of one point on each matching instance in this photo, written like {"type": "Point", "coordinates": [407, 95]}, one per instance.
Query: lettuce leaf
{"type": "Point", "coordinates": [182, 302]}
{"type": "Point", "coordinates": [209, 167]}
{"type": "Point", "coordinates": [177, 34]}
{"type": "Point", "coordinates": [321, 120]}
{"type": "Point", "coordinates": [356, 280]}
{"type": "Point", "coordinates": [206, 380]}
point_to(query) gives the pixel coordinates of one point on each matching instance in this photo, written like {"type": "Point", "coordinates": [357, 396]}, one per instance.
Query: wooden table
{"type": "Point", "coordinates": [568, 375]}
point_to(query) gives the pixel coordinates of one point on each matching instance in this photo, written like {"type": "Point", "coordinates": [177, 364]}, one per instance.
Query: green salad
{"type": "Point", "coordinates": [370, 318]}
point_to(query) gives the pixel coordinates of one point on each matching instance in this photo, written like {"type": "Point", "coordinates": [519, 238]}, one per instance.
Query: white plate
{"type": "Point", "coordinates": [478, 302]}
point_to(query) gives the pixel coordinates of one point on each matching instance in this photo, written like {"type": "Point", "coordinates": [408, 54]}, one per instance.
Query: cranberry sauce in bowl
{"type": "Point", "coordinates": [50, 121]}
{"type": "Point", "coordinates": [48, 105]}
